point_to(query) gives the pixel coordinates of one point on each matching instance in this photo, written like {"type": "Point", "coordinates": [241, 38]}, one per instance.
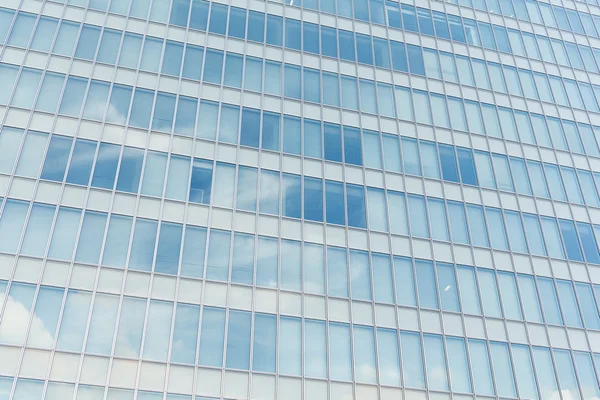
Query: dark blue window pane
{"type": "Point", "coordinates": [364, 49]}
{"type": "Point", "coordinates": [448, 162]}
{"type": "Point", "coordinates": [256, 26]}
{"type": "Point", "coordinates": [415, 59]}
{"type": "Point", "coordinates": [425, 23]}
{"type": "Point", "coordinates": [328, 42]}
{"type": "Point", "coordinates": [199, 15]}
{"type": "Point", "coordinates": [250, 132]}
{"type": "Point", "coordinates": [441, 25]}
{"type": "Point", "coordinates": [333, 142]}
{"type": "Point", "coordinates": [88, 41]}
{"type": "Point", "coordinates": [567, 228]}
{"type": "Point", "coordinates": [313, 199]}
{"type": "Point", "coordinates": [169, 245]}
{"type": "Point", "coordinates": [346, 45]}
{"type": "Point", "coordinates": [200, 186]}
{"type": "Point", "coordinates": [355, 203]}
{"type": "Point", "coordinates": [106, 166]}
{"type": "Point", "coordinates": [334, 198]}
{"type": "Point", "coordinates": [291, 196]}
{"type": "Point", "coordinates": [218, 19]}
{"type": "Point", "coordinates": [399, 61]}
{"type": "Point", "coordinates": [274, 30]}
{"type": "Point", "coordinates": [213, 67]}
{"type": "Point", "coordinates": [82, 161]}
{"type": "Point", "coordinates": [57, 158]}
{"type": "Point", "coordinates": [172, 58]}
{"type": "Point", "coordinates": [130, 170]}
{"type": "Point", "coordinates": [382, 57]}
{"type": "Point", "coordinates": [237, 22]}
{"type": "Point", "coordinates": [310, 39]}
{"type": "Point", "coordinates": [179, 12]}
{"type": "Point", "coordinates": [467, 166]}
{"type": "Point", "coordinates": [140, 110]}
{"type": "Point", "coordinates": [192, 65]}
{"type": "Point", "coordinates": [292, 34]}
{"type": "Point", "coordinates": [590, 248]}
{"type": "Point", "coordinates": [409, 18]}
{"type": "Point", "coordinates": [352, 146]}
{"type": "Point", "coordinates": [456, 28]}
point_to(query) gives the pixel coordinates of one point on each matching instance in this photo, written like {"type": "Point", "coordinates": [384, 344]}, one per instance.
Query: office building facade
{"type": "Point", "coordinates": [311, 200]}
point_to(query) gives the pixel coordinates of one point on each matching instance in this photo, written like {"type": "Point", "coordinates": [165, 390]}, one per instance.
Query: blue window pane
{"type": "Point", "coordinates": [469, 294]}
{"type": "Point", "coordinates": [589, 311]}
{"type": "Point", "coordinates": [503, 370]}
{"type": "Point", "coordinates": [66, 38]}
{"type": "Point", "coordinates": [333, 142]}
{"type": "Point", "coordinates": [169, 244]}
{"type": "Point", "coordinates": [404, 279]}
{"type": "Point", "coordinates": [250, 129]}
{"type": "Point", "coordinates": [267, 262]}
{"type": "Point", "coordinates": [14, 326]}
{"type": "Point", "coordinates": [32, 154]}
{"type": "Point", "coordinates": [418, 216]}
{"type": "Point", "coordinates": [337, 272]}
{"type": "Point", "coordinates": [388, 359]}
{"type": "Point", "coordinates": [22, 29]}
{"type": "Point", "coordinates": [552, 238]}
{"type": "Point", "coordinates": [315, 349]}
{"type": "Point", "coordinates": [496, 228]}
{"type": "Point", "coordinates": [27, 389]}
{"type": "Point", "coordinates": [270, 133]}
{"type": "Point", "coordinates": [566, 373]}
{"type": "Point", "coordinates": [568, 303]}
{"type": "Point", "coordinates": [218, 255]}
{"type": "Point", "coordinates": [291, 196]}
{"type": "Point", "coordinates": [194, 247]}
{"type": "Point", "coordinates": [290, 346]}
{"type": "Point", "coordinates": [88, 41]}
{"type": "Point", "coordinates": [291, 267]}
{"type": "Point", "coordinates": [545, 372]}
{"type": "Point", "coordinates": [213, 66]}
{"type": "Point", "coordinates": [47, 311]}
{"type": "Point", "coordinates": [242, 264]}
{"type": "Point", "coordinates": [117, 241]}
{"type": "Point", "coordinates": [164, 111]}
{"type": "Point", "coordinates": [587, 378]}
{"type": "Point", "coordinates": [412, 360]}
{"type": "Point", "coordinates": [269, 192]}
{"type": "Point", "coordinates": [65, 233]}
{"type": "Point", "coordinates": [346, 45]}
{"type": "Point", "coordinates": [382, 276]}
{"type": "Point", "coordinates": [448, 162]}
{"type": "Point", "coordinates": [178, 179]}
{"type": "Point", "coordinates": [199, 17]}
{"type": "Point", "coordinates": [154, 174]}
{"type": "Point", "coordinates": [447, 283]}
{"type": "Point", "coordinates": [74, 320]}
{"type": "Point", "coordinates": [292, 34]}
{"type": "Point", "coordinates": [588, 243]}
{"type": "Point", "coordinates": [352, 146]}
{"type": "Point", "coordinates": [437, 378]}
{"type": "Point", "coordinates": [50, 92]}
{"type": "Point", "coordinates": [426, 285]}
{"type": "Point", "coordinates": [313, 199]}
{"type": "Point", "coordinates": [292, 141]}
{"type": "Point", "coordinates": [458, 364]}
{"type": "Point", "coordinates": [524, 371]}
{"type": "Point", "coordinates": [256, 26]}
{"type": "Point", "coordinates": [179, 12]}
{"type": "Point", "coordinates": [491, 300]}
{"type": "Point", "coordinates": [106, 166]}
{"type": "Point", "coordinates": [130, 170]}
{"type": "Point", "coordinates": [274, 30]}
{"type": "Point", "coordinates": [90, 238]}
{"type": "Point", "coordinates": [142, 248]}
{"type": "Point", "coordinates": [529, 298]}
{"type": "Point", "coordinates": [364, 354]}
{"type": "Point", "coordinates": [458, 222]}
{"type": "Point", "coordinates": [437, 213]}
{"type": "Point", "coordinates": [360, 275]}
{"type": "Point", "coordinates": [38, 230]}
{"type": "Point", "coordinates": [510, 296]}
{"type": "Point", "coordinates": [185, 333]}
{"type": "Point", "coordinates": [72, 99]}
{"type": "Point", "coordinates": [340, 358]}
{"type": "Point", "coordinates": [238, 340]}
{"type": "Point", "coordinates": [158, 330]}
{"type": "Point", "coordinates": [549, 301]}
{"type": "Point", "coordinates": [480, 366]}
{"type": "Point", "coordinates": [355, 206]}
{"type": "Point", "coordinates": [246, 191]}
{"type": "Point", "coordinates": [57, 158]}
{"type": "Point", "coordinates": [6, 17]}
{"type": "Point", "coordinates": [467, 166]}
{"type": "Point", "coordinates": [479, 236]}
{"type": "Point", "coordinates": [212, 337]}
{"type": "Point", "coordinates": [265, 342]}
{"type": "Point", "coordinates": [571, 241]}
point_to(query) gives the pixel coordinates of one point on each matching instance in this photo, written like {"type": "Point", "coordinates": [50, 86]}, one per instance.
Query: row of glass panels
{"type": "Point", "coordinates": [104, 47]}
{"type": "Point", "coordinates": [502, 79]}
{"type": "Point", "coordinates": [76, 161]}
{"type": "Point", "coordinates": [137, 328]}
{"type": "Point", "coordinates": [34, 89]}
{"type": "Point", "coordinates": [445, 26]}
{"type": "Point", "coordinates": [291, 265]}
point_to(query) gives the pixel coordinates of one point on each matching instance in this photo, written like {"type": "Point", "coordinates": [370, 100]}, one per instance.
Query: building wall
{"type": "Point", "coordinates": [329, 200]}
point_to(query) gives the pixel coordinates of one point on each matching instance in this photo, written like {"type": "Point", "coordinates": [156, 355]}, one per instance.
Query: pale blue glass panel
{"type": "Point", "coordinates": [364, 354]}
{"type": "Point", "coordinates": [485, 174]}
{"type": "Point", "coordinates": [265, 343]}
{"type": "Point", "coordinates": [355, 206]}
{"type": "Point", "coordinates": [185, 333]}
{"type": "Point", "coordinates": [412, 360]}
{"type": "Point", "coordinates": [555, 185]}
{"type": "Point", "coordinates": [372, 150]}
{"type": "Point", "coordinates": [88, 42]}
{"type": "Point", "coordinates": [65, 233]}
{"type": "Point", "coordinates": [491, 301]}
{"type": "Point", "coordinates": [10, 142]}
{"type": "Point", "coordinates": [28, 389]}
{"type": "Point", "coordinates": [545, 373]}
{"type": "Point", "coordinates": [352, 146]}
{"type": "Point", "coordinates": [50, 92]}
{"type": "Point", "coordinates": [5, 382]}
{"type": "Point", "coordinates": [164, 111]}
{"type": "Point", "coordinates": [587, 378]}
{"type": "Point", "coordinates": [468, 290]}
{"type": "Point", "coordinates": [242, 265]}
{"type": "Point", "coordinates": [398, 218]}
{"type": "Point", "coordinates": [194, 248]}
{"type": "Point", "coordinates": [32, 154]}
{"type": "Point", "coordinates": [337, 272]}
{"type": "Point", "coordinates": [47, 310]}
{"type": "Point", "coordinates": [130, 170]}
{"type": "Point", "coordinates": [102, 325]}
{"type": "Point", "coordinates": [447, 286]}
{"type": "Point", "coordinates": [228, 127]}
{"type": "Point", "coordinates": [458, 365]}
{"type": "Point", "coordinates": [27, 86]}
{"type": "Point", "coordinates": [503, 371]}
{"type": "Point", "coordinates": [566, 374]}
{"type": "Point", "coordinates": [130, 50]}
{"type": "Point", "coordinates": [435, 361]}
{"type": "Point", "coordinates": [38, 230]}
{"type": "Point", "coordinates": [480, 366]}
{"type": "Point", "coordinates": [524, 372]}
{"type": "Point", "coordinates": [534, 234]}
{"type": "Point", "coordinates": [377, 209]}
{"type": "Point", "coordinates": [291, 266]}
{"type": "Point", "coordinates": [201, 182]}
{"type": "Point", "coordinates": [131, 324]}
{"type": "Point", "coordinates": [549, 301]}
{"type": "Point", "coordinates": [22, 30]}
{"type": "Point", "coordinates": [552, 237]}
{"type": "Point", "coordinates": [154, 174]}
{"type": "Point", "coordinates": [95, 103]}
{"type": "Point", "coordinates": [151, 53]}
{"type": "Point", "coordinates": [588, 188]}
{"type": "Point", "coordinates": [589, 311]}
{"type": "Point", "coordinates": [290, 346]}
{"type": "Point", "coordinates": [192, 64]}
{"type": "Point", "coordinates": [458, 223]}
{"type": "Point", "coordinates": [106, 165]}
{"type": "Point", "coordinates": [426, 286]}
{"type": "Point", "coordinates": [169, 245]}
{"type": "Point", "coordinates": [510, 296]}
{"type": "Point", "coordinates": [568, 303]}
{"type": "Point", "coordinates": [6, 17]}
{"type": "Point", "coordinates": [340, 356]}
{"type": "Point", "coordinates": [391, 152]}
{"type": "Point", "coordinates": [315, 349]}
{"type": "Point", "coordinates": [14, 324]}
{"type": "Point", "coordinates": [273, 80]}
{"type": "Point", "coordinates": [267, 272]}
{"type": "Point", "coordinates": [312, 138]}
{"type": "Point", "coordinates": [313, 199]}
{"type": "Point", "coordinates": [314, 268]}
{"type": "Point", "coordinates": [74, 321]}
{"type": "Point", "coordinates": [90, 238]}
{"type": "Point", "coordinates": [479, 235]}
{"type": "Point", "coordinates": [360, 276]}
{"type": "Point", "coordinates": [57, 158]}
{"type": "Point", "coordinates": [72, 98]}
{"type": "Point", "coordinates": [218, 255]}
{"type": "Point", "coordinates": [404, 278]}
{"type": "Point", "coordinates": [588, 243]}
{"type": "Point", "coordinates": [8, 75]}
{"type": "Point", "coordinates": [388, 359]}
{"type": "Point", "coordinates": [516, 235]}
{"type": "Point", "coordinates": [418, 216]}
{"type": "Point", "coordinates": [212, 337]}
{"type": "Point", "coordinates": [118, 108]}
{"type": "Point", "coordinates": [496, 228]}
{"type": "Point", "coordinates": [57, 391]}
{"type": "Point", "coordinates": [382, 276]}
{"type": "Point", "coordinates": [142, 248]}
{"type": "Point", "coordinates": [158, 330]}
{"type": "Point", "coordinates": [437, 213]}
{"type": "Point", "coordinates": [253, 74]}
{"type": "Point", "coordinates": [238, 340]}
{"type": "Point", "coordinates": [178, 179]}
{"type": "Point", "coordinates": [67, 36]}
{"type": "Point", "coordinates": [223, 185]}
{"type": "Point", "coordinates": [529, 298]}
{"type": "Point", "coordinates": [567, 229]}
{"type": "Point", "coordinates": [172, 58]}
{"type": "Point", "coordinates": [234, 65]}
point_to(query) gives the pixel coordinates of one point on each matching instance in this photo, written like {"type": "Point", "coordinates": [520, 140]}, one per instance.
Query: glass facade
{"type": "Point", "coordinates": [307, 200]}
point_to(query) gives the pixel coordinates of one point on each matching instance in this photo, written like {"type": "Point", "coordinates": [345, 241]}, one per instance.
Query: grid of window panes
{"type": "Point", "coordinates": [314, 200]}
